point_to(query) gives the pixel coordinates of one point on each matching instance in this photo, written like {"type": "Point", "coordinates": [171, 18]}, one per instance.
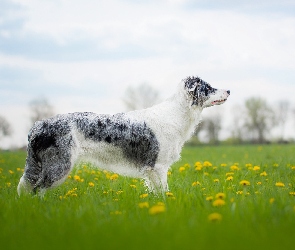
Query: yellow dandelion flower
{"type": "Point", "coordinates": [256, 168]}
{"type": "Point", "coordinates": [216, 180]}
{"type": "Point", "coordinates": [77, 178]}
{"type": "Point", "coordinates": [143, 196]}
{"type": "Point", "coordinates": [91, 184]}
{"type": "Point", "coordinates": [263, 173]}
{"type": "Point", "coordinates": [280, 184]}
{"type": "Point", "coordinates": [181, 169]}
{"type": "Point", "coordinates": [293, 167]}
{"type": "Point", "coordinates": [223, 164]}
{"type": "Point", "coordinates": [114, 177]}
{"type": "Point", "coordinates": [10, 171]}
{"type": "Point", "coordinates": [249, 165]}
{"type": "Point", "coordinates": [207, 164]}
{"type": "Point", "coordinates": [239, 192]}
{"type": "Point", "coordinates": [69, 177]}
{"type": "Point", "coordinates": [220, 196]}
{"type": "Point", "coordinates": [218, 203]}
{"type": "Point", "coordinates": [214, 217]}
{"type": "Point", "coordinates": [206, 173]}
{"type": "Point", "coordinates": [244, 183]}
{"type": "Point", "coordinates": [275, 165]}
{"type": "Point", "coordinates": [259, 183]}
{"type": "Point", "coordinates": [209, 198]}
{"type": "Point", "coordinates": [169, 194]}
{"type": "Point", "coordinates": [271, 200]}
{"type": "Point", "coordinates": [133, 186]}
{"type": "Point", "coordinates": [196, 183]}
{"type": "Point", "coordinates": [198, 168]}
{"type": "Point", "coordinates": [230, 178]}
{"type": "Point", "coordinates": [157, 209]}
{"type": "Point", "coordinates": [197, 164]}
{"type": "Point", "coordinates": [116, 213]}
{"type": "Point", "coordinates": [229, 173]}
{"type": "Point", "coordinates": [8, 184]}
{"type": "Point", "coordinates": [143, 205]}
{"type": "Point", "coordinates": [292, 193]}
{"type": "Point", "coordinates": [234, 167]}
{"type": "Point", "coordinates": [119, 192]}
{"type": "Point", "coordinates": [169, 173]}
{"type": "Point", "coordinates": [18, 169]}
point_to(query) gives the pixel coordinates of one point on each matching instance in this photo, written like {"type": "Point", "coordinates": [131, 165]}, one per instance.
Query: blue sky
{"type": "Point", "coordinates": [82, 55]}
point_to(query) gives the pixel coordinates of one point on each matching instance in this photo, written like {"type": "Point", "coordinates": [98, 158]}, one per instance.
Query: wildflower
{"type": "Point", "coordinates": [169, 194]}
{"type": "Point", "coordinates": [133, 186]}
{"type": "Point", "coordinates": [207, 164]}
{"type": "Point", "coordinates": [244, 183]}
{"type": "Point", "coordinates": [275, 165]}
{"type": "Point", "coordinates": [181, 169]}
{"type": "Point", "coordinates": [259, 183]}
{"type": "Point", "coordinates": [143, 205]}
{"type": "Point", "coordinates": [196, 183]}
{"type": "Point", "coordinates": [198, 168]}
{"type": "Point", "coordinates": [280, 184]}
{"type": "Point", "coordinates": [292, 193]}
{"type": "Point", "coordinates": [239, 192]}
{"type": "Point", "coordinates": [157, 209]}
{"type": "Point", "coordinates": [209, 198]}
{"type": "Point", "coordinates": [230, 178]}
{"type": "Point", "coordinates": [91, 184]}
{"type": "Point", "coordinates": [215, 217]}
{"type": "Point", "coordinates": [256, 168]}
{"type": "Point", "coordinates": [293, 167]}
{"type": "Point", "coordinates": [234, 167]}
{"type": "Point", "coordinates": [169, 173]}
{"type": "Point", "coordinates": [263, 173]}
{"type": "Point", "coordinates": [18, 169]}
{"type": "Point", "coordinates": [143, 196]}
{"type": "Point", "coordinates": [271, 200]}
{"type": "Point", "coordinates": [206, 173]}
{"type": "Point", "coordinates": [249, 165]}
{"type": "Point", "coordinates": [119, 192]}
{"type": "Point", "coordinates": [78, 178]}
{"type": "Point", "coordinates": [116, 213]}
{"type": "Point", "coordinates": [10, 171]}
{"type": "Point", "coordinates": [223, 164]}
{"type": "Point", "coordinates": [218, 203]}
{"type": "Point", "coordinates": [198, 164]}
{"type": "Point", "coordinates": [8, 184]}
{"type": "Point", "coordinates": [114, 177]}
{"type": "Point", "coordinates": [220, 196]}
{"type": "Point", "coordinates": [216, 180]}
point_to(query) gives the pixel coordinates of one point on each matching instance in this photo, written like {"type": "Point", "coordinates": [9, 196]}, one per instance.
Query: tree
{"type": "Point", "coordinates": [259, 118]}
{"type": "Point", "coordinates": [5, 128]}
{"type": "Point", "coordinates": [212, 127]}
{"type": "Point", "coordinates": [140, 97]}
{"type": "Point", "coordinates": [282, 115]}
{"type": "Point", "coordinates": [237, 126]}
{"type": "Point", "coordinates": [40, 109]}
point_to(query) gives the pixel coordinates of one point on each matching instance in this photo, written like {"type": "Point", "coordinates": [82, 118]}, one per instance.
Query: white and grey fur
{"type": "Point", "coordinates": [140, 144]}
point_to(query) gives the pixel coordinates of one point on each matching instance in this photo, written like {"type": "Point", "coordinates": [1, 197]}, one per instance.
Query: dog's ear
{"type": "Point", "coordinates": [191, 85]}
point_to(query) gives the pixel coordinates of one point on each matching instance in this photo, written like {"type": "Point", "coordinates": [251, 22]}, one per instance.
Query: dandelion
{"type": "Point", "coordinates": [143, 196]}
{"type": "Point", "coordinates": [275, 165]}
{"type": "Point", "coordinates": [209, 198]}
{"type": "Point", "coordinates": [114, 177]}
{"type": "Point", "coordinates": [133, 186]}
{"type": "Point", "coordinates": [230, 178]}
{"type": "Point", "coordinates": [169, 194]}
{"type": "Point", "coordinates": [18, 169]}
{"type": "Point", "coordinates": [293, 167]}
{"type": "Point", "coordinates": [181, 169]}
{"type": "Point", "coordinates": [239, 192]}
{"type": "Point", "coordinates": [271, 200]}
{"type": "Point", "coordinates": [198, 168]}
{"type": "Point", "coordinates": [198, 164]}
{"type": "Point", "coordinates": [256, 168]}
{"type": "Point", "coordinates": [220, 196]}
{"type": "Point", "coordinates": [216, 180]}
{"type": "Point", "coordinates": [116, 213]}
{"type": "Point", "coordinates": [234, 167]}
{"type": "Point", "coordinates": [169, 173]}
{"type": "Point", "coordinates": [263, 173]}
{"type": "Point", "coordinates": [215, 217]}
{"type": "Point", "coordinates": [280, 184]}
{"type": "Point", "coordinates": [249, 165]}
{"type": "Point", "coordinates": [157, 209]}
{"type": "Point", "coordinates": [91, 184]}
{"type": "Point", "coordinates": [196, 183]}
{"type": "Point", "coordinates": [259, 183]}
{"type": "Point", "coordinates": [143, 205]}
{"type": "Point", "coordinates": [244, 183]}
{"type": "Point", "coordinates": [207, 164]}
{"type": "Point", "coordinates": [223, 164]}
{"type": "Point", "coordinates": [292, 193]}
{"type": "Point", "coordinates": [218, 203]}
{"type": "Point", "coordinates": [8, 184]}
{"type": "Point", "coordinates": [10, 171]}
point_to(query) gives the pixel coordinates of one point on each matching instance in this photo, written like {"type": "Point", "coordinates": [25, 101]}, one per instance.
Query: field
{"type": "Point", "coordinates": [226, 197]}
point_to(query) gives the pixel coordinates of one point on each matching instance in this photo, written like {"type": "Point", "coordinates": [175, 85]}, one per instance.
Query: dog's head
{"type": "Point", "coordinates": [202, 94]}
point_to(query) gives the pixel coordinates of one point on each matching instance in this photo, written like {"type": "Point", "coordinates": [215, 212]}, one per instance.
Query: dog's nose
{"type": "Point", "coordinates": [228, 92]}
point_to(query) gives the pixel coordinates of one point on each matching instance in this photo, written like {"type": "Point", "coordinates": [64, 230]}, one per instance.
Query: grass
{"type": "Point", "coordinates": [209, 205]}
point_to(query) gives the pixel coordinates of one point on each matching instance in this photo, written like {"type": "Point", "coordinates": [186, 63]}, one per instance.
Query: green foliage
{"type": "Point", "coordinates": [221, 198]}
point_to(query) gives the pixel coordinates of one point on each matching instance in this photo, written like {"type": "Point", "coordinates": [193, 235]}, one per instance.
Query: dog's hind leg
{"type": "Point", "coordinates": [156, 179]}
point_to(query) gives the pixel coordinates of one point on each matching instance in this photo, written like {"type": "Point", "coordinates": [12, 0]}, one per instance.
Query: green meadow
{"type": "Point", "coordinates": [221, 197]}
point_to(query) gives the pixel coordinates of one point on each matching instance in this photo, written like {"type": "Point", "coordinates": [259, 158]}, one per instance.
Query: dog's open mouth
{"type": "Point", "coordinates": [218, 102]}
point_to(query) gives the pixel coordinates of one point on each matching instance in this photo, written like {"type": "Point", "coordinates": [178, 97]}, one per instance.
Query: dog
{"type": "Point", "coordinates": [140, 144]}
